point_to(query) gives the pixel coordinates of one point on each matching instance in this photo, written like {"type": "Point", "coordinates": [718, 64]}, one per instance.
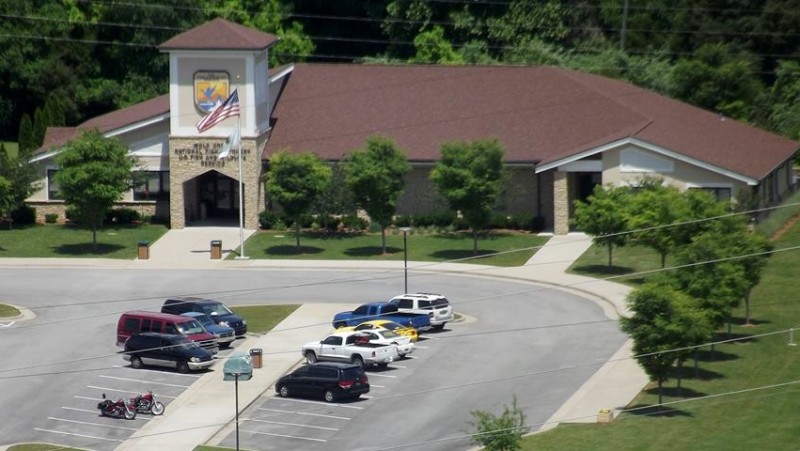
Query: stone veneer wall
{"type": "Point", "coordinates": [145, 209]}
{"type": "Point", "coordinates": [189, 158]}
{"type": "Point", "coordinates": [560, 203]}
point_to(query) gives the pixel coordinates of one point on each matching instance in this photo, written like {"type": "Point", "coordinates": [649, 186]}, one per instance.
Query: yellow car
{"type": "Point", "coordinates": [409, 332]}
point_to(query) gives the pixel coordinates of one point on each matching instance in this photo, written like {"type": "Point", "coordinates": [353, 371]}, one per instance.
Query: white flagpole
{"type": "Point", "coordinates": [241, 184]}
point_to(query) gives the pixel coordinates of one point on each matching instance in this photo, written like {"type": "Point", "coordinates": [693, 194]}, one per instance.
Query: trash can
{"type": "Point", "coordinates": [216, 249]}
{"type": "Point", "coordinates": [144, 250]}
{"type": "Point", "coordinates": [255, 357]}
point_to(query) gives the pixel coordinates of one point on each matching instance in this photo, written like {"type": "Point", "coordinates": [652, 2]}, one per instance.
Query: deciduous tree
{"type": "Point", "coordinates": [375, 178]}
{"type": "Point", "coordinates": [604, 216]}
{"type": "Point", "coordinates": [653, 208]}
{"type": "Point", "coordinates": [664, 322]}
{"type": "Point", "coordinates": [470, 177]}
{"type": "Point", "coordinates": [93, 174]}
{"type": "Point", "coordinates": [295, 181]}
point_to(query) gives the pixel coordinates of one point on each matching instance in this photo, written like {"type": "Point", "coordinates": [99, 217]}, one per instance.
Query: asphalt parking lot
{"type": "Point", "coordinates": [275, 423]}
{"type": "Point", "coordinates": [77, 422]}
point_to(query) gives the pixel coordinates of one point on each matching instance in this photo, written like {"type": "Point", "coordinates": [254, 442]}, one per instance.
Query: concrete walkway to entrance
{"type": "Point", "coordinates": [191, 246]}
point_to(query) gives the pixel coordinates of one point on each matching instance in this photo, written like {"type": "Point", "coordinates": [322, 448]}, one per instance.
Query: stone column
{"type": "Point", "coordinates": [560, 203]}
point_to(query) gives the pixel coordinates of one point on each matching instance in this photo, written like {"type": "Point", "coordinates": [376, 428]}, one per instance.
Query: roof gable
{"type": "Point", "coordinates": [220, 34]}
{"type": "Point", "coordinates": [56, 137]}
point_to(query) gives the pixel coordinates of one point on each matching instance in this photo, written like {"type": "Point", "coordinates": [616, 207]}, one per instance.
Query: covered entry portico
{"type": "Point", "coordinates": [211, 197]}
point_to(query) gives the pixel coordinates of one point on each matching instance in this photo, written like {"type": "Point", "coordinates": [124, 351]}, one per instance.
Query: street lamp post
{"type": "Point", "coordinates": [236, 376]}
{"type": "Point", "coordinates": [405, 258]}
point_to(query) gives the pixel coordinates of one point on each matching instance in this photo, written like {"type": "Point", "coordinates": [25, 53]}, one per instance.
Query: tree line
{"type": "Point", "coordinates": [734, 57]}
{"type": "Point", "coordinates": [717, 261]}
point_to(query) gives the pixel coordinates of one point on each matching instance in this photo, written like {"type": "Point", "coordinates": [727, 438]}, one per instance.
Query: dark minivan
{"type": "Point", "coordinates": [173, 351]}
{"type": "Point", "coordinates": [328, 380]}
{"type": "Point", "coordinates": [218, 311]}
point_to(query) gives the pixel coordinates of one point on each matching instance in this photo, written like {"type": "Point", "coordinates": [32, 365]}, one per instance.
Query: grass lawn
{"type": "Point", "coordinates": [7, 311]}
{"type": "Point", "coordinates": [262, 318]}
{"type": "Point", "coordinates": [52, 240]}
{"type": "Point", "coordinates": [629, 264]}
{"type": "Point", "coordinates": [744, 396]}
{"type": "Point", "coordinates": [421, 247]}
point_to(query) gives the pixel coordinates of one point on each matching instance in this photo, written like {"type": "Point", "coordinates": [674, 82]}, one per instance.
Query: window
{"type": "Point", "coordinates": [52, 187]}
{"type": "Point", "coordinates": [154, 186]}
{"type": "Point", "coordinates": [145, 325]}
{"type": "Point", "coordinates": [132, 324]}
{"type": "Point", "coordinates": [720, 194]}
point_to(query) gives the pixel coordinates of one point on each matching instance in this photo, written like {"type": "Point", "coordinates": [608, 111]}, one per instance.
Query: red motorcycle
{"type": "Point", "coordinates": [146, 403]}
{"type": "Point", "coordinates": [116, 409]}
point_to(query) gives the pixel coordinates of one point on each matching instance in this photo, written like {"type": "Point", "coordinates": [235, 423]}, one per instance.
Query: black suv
{"type": "Point", "coordinates": [329, 380]}
{"type": "Point", "coordinates": [218, 311]}
{"type": "Point", "coordinates": [174, 351]}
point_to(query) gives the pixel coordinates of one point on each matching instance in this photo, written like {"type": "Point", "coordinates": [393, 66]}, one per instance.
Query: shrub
{"type": "Point", "coordinates": [403, 221]}
{"type": "Point", "coordinates": [354, 223]}
{"type": "Point", "coordinates": [499, 221]}
{"type": "Point", "coordinates": [51, 218]}
{"type": "Point", "coordinates": [328, 223]}
{"type": "Point", "coordinates": [442, 219]}
{"type": "Point", "coordinates": [460, 224]}
{"type": "Point", "coordinates": [122, 216]}
{"type": "Point", "coordinates": [24, 215]}
{"type": "Point", "coordinates": [71, 215]}
{"type": "Point", "coordinates": [522, 221]}
{"type": "Point", "coordinates": [500, 433]}
{"type": "Point", "coordinates": [268, 219]}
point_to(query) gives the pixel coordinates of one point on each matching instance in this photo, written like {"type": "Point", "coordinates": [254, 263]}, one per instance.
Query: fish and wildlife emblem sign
{"type": "Point", "coordinates": [210, 89]}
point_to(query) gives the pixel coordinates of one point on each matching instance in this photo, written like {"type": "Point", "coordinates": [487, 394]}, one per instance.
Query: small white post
{"type": "Point", "coordinates": [791, 337]}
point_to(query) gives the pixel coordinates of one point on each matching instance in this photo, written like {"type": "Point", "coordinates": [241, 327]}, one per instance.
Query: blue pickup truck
{"type": "Point", "coordinates": [382, 310]}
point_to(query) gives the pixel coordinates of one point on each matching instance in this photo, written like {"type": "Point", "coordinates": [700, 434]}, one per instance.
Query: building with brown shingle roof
{"type": "Point", "coordinates": [563, 131]}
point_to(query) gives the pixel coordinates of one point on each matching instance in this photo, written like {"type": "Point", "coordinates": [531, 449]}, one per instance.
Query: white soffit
{"type": "Point", "coordinates": [136, 126]}
{"type": "Point", "coordinates": [155, 146]}
{"type": "Point", "coordinates": [651, 147]}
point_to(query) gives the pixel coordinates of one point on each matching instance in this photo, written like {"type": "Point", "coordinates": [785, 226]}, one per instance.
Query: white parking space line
{"type": "Point", "coordinates": [123, 391]}
{"type": "Point", "coordinates": [399, 366]}
{"type": "Point", "coordinates": [287, 436]}
{"type": "Point", "coordinates": [410, 357]}
{"type": "Point", "coordinates": [142, 382]}
{"type": "Point", "coordinates": [79, 435]}
{"type": "Point", "coordinates": [95, 411]}
{"type": "Point", "coordinates": [196, 376]}
{"type": "Point", "coordinates": [376, 386]}
{"type": "Point", "coordinates": [79, 410]}
{"type": "Point", "coordinates": [293, 424]}
{"type": "Point", "coordinates": [319, 403]}
{"type": "Point", "coordinates": [422, 347]}
{"type": "Point", "coordinates": [371, 375]}
{"type": "Point", "coordinates": [296, 412]}
{"type": "Point", "coordinates": [92, 424]}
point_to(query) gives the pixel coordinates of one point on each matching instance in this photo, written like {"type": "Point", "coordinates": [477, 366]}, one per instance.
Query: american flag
{"type": "Point", "coordinates": [226, 109]}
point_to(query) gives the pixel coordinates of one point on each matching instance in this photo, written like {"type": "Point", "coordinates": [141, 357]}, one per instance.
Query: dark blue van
{"type": "Point", "coordinates": [218, 311]}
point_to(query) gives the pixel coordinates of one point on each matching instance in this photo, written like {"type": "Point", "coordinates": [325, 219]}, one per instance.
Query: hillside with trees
{"type": "Point", "coordinates": [737, 58]}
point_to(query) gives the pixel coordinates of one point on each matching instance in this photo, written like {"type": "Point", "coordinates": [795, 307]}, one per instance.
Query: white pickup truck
{"type": "Point", "coordinates": [436, 306]}
{"type": "Point", "coordinates": [350, 347]}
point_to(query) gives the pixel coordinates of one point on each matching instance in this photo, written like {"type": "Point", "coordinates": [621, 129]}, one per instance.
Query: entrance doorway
{"type": "Point", "coordinates": [217, 199]}
{"type": "Point", "coordinates": [581, 186]}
